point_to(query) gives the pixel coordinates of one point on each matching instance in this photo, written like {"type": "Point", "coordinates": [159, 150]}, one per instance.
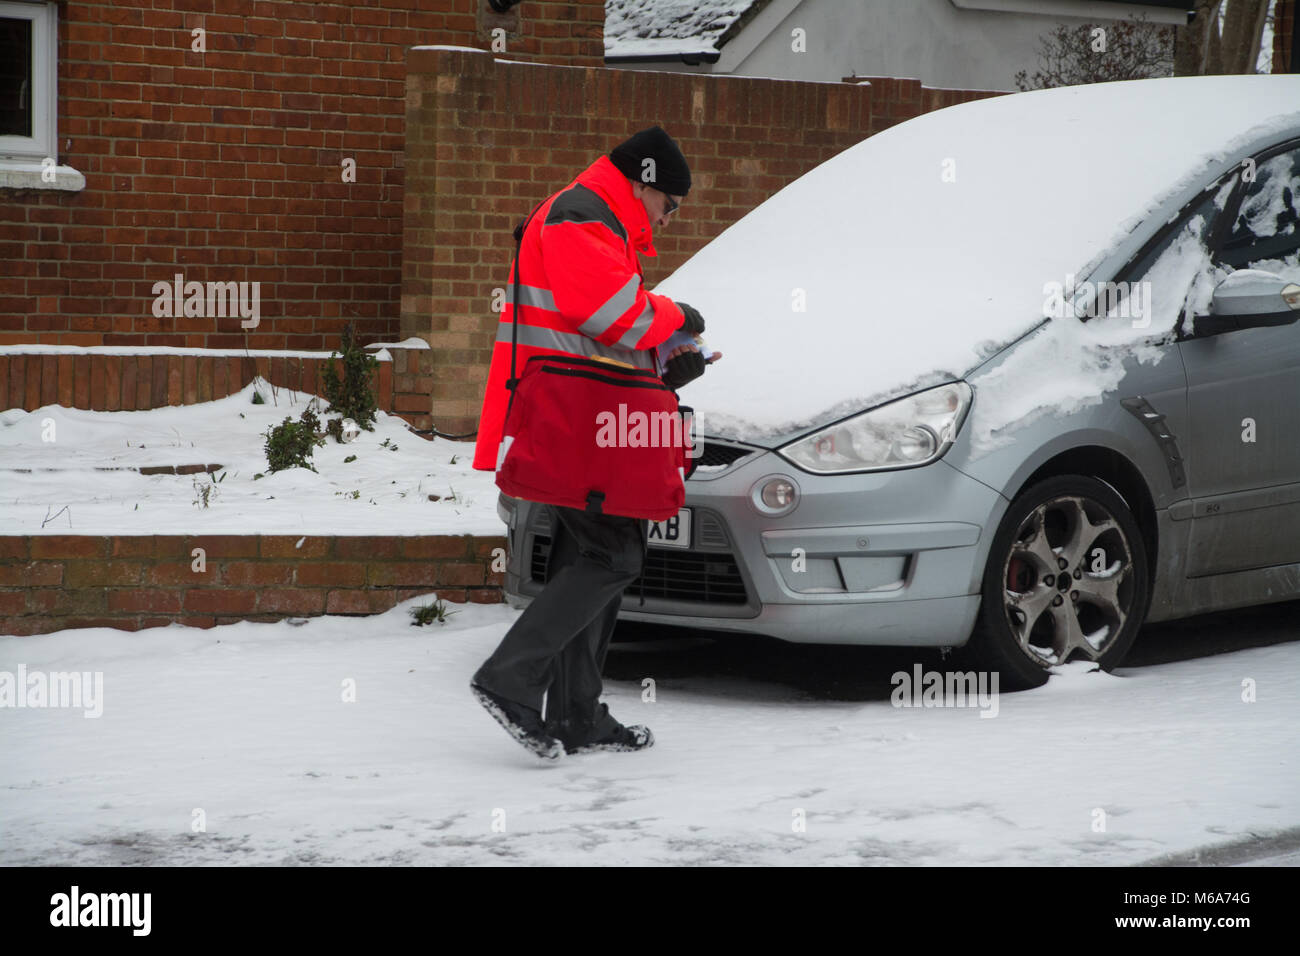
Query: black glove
{"type": "Point", "coordinates": [686, 367]}
{"type": "Point", "coordinates": [694, 323]}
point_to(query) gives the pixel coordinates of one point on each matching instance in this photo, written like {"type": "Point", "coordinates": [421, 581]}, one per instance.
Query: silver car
{"type": "Point", "coordinates": [1044, 386]}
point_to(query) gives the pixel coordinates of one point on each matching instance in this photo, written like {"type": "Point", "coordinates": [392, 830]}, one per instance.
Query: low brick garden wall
{"type": "Point", "coordinates": [79, 378]}
{"type": "Point", "coordinates": [51, 582]}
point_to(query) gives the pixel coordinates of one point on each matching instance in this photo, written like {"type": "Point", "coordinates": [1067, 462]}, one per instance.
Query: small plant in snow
{"type": "Point", "coordinates": [290, 444]}
{"type": "Point", "coordinates": [350, 458]}
{"type": "Point", "coordinates": [350, 396]}
{"type": "Point", "coordinates": [459, 498]}
{"type": "Point", "coordinates": [50, 517]}
{"type": "Point", "coordinates": [311, 419]}
{"type": "Point", "coordinates": [206, 491]}
{"type": "Point", "coordinates": [429, 613]}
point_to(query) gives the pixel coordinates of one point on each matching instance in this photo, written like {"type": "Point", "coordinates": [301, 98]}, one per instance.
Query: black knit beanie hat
{"type": "Point", "coordinates": [669, 174]}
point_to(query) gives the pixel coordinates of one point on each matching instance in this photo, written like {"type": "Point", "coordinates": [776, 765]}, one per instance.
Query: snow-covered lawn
{"type": "Point", "coordinates": [85, 462]}
{"type": "Point", "coordinates": [248, 724]}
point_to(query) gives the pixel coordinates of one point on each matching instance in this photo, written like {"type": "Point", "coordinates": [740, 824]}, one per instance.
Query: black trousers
{"type": "Point", "coordinates": [557, 646]}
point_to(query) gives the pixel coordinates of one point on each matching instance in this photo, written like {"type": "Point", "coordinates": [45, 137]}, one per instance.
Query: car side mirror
{"type": "Point", "coordinates": [1249, 299]}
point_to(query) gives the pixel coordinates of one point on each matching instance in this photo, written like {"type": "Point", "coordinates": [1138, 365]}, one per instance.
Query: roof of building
{"type": "Point", "coordinates": [653, 28]}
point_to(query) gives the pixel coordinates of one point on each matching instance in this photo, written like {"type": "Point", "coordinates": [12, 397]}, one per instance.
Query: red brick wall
{"type": "Point", "coordinates": [487, 140]}
{"type": "Point", "coordinates": [135, 381]}
{"type": "Point", "coordinates": [51, 582]}
{"type": "Point", "coordinates": [81, 378]}
{"type": "Point", "coordinates": [225, 165]}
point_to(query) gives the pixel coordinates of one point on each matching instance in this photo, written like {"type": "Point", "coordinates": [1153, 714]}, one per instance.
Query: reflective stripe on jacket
{"type": "Point", "coordinates": [580, 291]}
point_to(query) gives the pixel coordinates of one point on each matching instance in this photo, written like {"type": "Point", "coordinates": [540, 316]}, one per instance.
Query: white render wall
{"type": "Point", "coordinates": [958, 44]}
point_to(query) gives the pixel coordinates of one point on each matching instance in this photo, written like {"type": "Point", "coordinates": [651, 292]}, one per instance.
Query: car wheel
{"type": "Point", "coordinates": [1066, 579]}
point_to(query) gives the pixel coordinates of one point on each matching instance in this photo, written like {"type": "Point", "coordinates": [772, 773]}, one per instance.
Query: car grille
{"type": "Point", "coordinates": [674, 575]}
{"type": "Point", "coordinates": [714, 454]}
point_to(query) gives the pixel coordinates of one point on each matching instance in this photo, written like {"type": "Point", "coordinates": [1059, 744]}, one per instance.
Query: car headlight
{"type": "Point", "coordinates": [905, 433]}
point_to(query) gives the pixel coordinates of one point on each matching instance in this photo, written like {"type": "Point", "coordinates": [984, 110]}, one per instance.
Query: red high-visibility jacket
{"type": "Point", "coordinates": [580, 291]}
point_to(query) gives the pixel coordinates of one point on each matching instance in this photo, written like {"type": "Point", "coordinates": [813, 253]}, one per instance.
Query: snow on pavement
{"type": "Point", "coordinates": [247, 723]}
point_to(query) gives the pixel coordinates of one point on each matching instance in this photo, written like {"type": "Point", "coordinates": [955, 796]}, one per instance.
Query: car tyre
{"type": "Point", "coordinates": [1066, 579]}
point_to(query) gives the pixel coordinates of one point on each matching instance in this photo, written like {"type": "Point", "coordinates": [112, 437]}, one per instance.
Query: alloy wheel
{"type": "Point", "coordinates": [1068, 580]}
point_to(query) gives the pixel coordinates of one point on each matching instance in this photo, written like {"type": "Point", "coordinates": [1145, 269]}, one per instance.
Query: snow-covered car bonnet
{"type": "Point", "coordinates": [908, 258]}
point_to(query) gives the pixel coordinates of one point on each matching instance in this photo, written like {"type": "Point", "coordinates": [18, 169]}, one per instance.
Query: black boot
{"type": "Point", "coordinates": [581, 737]}
{"type": "Point", "coordinates": [623, 739]}
{"type": "Point", "coordinates": [522, 723]}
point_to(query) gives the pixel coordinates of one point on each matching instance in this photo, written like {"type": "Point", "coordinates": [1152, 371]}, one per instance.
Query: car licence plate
{"type": "Point", "coordinates": [673, 533]}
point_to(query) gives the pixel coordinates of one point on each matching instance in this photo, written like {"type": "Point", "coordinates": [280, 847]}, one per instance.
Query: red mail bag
{"type": "Point", "coordinates": [595, 436]}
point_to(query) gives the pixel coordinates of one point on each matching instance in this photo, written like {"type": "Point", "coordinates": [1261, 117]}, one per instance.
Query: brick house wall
{"type": "Point", "coordinates": [488, 139]}
{"type": "Point", "coordinates": [225, 165]}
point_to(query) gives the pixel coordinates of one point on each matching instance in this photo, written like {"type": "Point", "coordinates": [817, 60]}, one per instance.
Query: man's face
{"type": "Point", "coordinates": [659, 205]}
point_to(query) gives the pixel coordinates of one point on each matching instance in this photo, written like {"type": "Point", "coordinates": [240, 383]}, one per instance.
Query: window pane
{"type": "Point", "coordinates": [1268, 225]}
{"type": "Point", "coordinates": [1176, 275]}
{"type": "Point", "coordinates": [15, 76]}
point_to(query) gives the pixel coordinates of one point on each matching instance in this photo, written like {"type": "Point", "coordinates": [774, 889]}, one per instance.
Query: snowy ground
{"type": "Point", "coordinates": [247, 723]}
{"type": "Point", "coordinates": [84, 461]}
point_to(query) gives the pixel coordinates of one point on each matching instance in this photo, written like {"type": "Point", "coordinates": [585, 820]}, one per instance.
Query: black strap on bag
{"type": "Point", "coordinates": [644, 528]}
{"type": "Point", "coordinates": [512, 381]}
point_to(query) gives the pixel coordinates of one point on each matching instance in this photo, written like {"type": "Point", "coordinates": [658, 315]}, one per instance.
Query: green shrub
{"type": "Point", "coordinates": [290, 444]}
{"type": "Point", "coordinates": [350, 396]}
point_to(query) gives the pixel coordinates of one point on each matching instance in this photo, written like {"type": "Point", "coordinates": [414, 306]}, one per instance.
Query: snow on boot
{"type": "Point", "coordinates": [620, 740]}
{"type": "Point", "coordinates": [522, 723]}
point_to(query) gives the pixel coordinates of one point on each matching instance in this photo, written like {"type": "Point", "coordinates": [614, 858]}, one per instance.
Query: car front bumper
{"type": "Point", "coordinates": [887, 558]}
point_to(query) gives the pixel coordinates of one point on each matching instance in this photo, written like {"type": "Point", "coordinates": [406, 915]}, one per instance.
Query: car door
{"type": "Point", "coordinates": [1243, 449]}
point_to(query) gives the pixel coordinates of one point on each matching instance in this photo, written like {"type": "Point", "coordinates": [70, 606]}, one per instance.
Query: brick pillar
{"type": "Point", "coordinates": [449, 224]}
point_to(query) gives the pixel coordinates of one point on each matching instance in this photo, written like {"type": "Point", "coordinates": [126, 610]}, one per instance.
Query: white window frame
{"type": "Point", "coordinates": [44, 93]}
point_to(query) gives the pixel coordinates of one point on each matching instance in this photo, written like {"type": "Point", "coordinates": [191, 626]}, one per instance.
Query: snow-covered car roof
{"type": "Point", "coordinates": [909, 257]}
